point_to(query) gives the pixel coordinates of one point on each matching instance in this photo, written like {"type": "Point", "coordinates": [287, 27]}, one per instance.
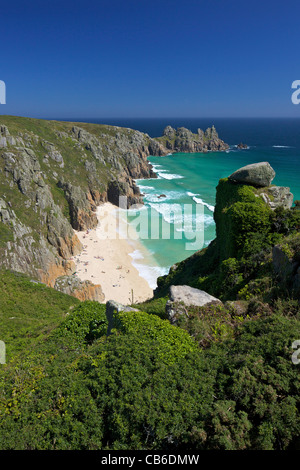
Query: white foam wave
{"type": "Point", "coordinates": [167, 196]}
{"type": "Point", "coordinates": [208, 242]}
{"type": "Point", "coordinates": [148, 272]}
{"type": "Point", "coordinates": [146, 188]}
{"type": "Point", "coordinates": [282, 147]}
{"type": "Point", "coordinates": [169, 176]}
{"type": "Point", "coordinates": [173, 214]}
{"type": "Point", "coordinates": [198, 200]}
{"type": "Point", "coordinates": [156, 166]}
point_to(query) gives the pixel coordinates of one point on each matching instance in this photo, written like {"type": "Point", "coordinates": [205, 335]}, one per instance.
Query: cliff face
{"type": "Point", "coordinates": [54, 174]}
{"type": "Point", "coordinates": [183, 140]}
{"type": "Point", "coordinates": [52, 177]}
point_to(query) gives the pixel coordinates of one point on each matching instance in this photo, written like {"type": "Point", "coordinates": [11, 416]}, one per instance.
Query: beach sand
{"type": "Point", "coordinates": [106, 260]}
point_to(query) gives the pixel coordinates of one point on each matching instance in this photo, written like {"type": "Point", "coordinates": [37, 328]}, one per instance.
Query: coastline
{"type": "Point", "coordinates": [108, 259]}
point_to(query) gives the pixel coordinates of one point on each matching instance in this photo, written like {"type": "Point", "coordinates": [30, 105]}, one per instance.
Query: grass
{"type": "Point", "coordinates": [28, 310]}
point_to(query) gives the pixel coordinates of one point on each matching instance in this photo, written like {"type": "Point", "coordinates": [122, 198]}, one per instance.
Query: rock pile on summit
{"type": "Point", "coordinates": [260, 175]}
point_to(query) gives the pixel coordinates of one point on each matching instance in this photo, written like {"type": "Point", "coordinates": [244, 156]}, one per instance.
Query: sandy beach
{"type": "Point", "coordinates": [106, 260]}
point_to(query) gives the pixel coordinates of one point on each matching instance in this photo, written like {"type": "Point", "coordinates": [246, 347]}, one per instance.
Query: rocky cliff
{"type": "Point", "coordinates": [52, 177]}
{"type": "Point", "coordinates": [183, 140]}
{"type": "Point", "coordinates": [54, 174]}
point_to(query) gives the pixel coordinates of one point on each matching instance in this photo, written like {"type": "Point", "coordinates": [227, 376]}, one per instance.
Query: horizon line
{"type": "Point", "coordinates": [63, 118]}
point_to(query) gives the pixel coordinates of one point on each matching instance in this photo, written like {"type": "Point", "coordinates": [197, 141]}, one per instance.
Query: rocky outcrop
{"type": "Point", "coordinates": [278, 196]}
{"type": "Point", "coordinates": [44, 256]}
{"type": "Point", "coordinates": [82, 290]}
{"type": "Point", "coordinates": [242, 146]}
{"type": "Point", "coordinates": [186, 296]}
{"type": "Point", "coordinates": [257, 174]}
{"type": "Point", "coordinates": [183, 140]}
{"type": "Point", "coordinates": [260, 175]}
{"type": "Point", "coordinates": [81, 207]}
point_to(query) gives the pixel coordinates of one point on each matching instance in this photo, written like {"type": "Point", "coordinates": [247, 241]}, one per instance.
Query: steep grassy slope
{"type": "Point", "coordinates": [28, 311]}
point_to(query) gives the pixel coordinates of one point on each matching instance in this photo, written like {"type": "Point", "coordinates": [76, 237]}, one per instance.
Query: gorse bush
{"type": "Point", "coordinates": [86, 323]}
{"type": "Point", "coordinates": [170, 342]}
{"type": "Point", "coordinates": [128, 391]}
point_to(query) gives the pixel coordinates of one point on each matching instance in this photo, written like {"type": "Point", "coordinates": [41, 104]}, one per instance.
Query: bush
{"type": "Point", "coordinates": [86, 323]}
{"type": "Point", "coordinates": [170, 342]}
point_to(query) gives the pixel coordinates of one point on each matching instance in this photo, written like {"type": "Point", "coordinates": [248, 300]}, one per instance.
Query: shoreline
{"type": "Point", "coordinates": [108, 260]}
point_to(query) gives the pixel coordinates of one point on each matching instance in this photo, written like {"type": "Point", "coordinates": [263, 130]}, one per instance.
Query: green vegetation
{"type": "Point", "coordinates": [6, 234]}
{"type": "Point", "coordinates": [222, 378]}
{"type": "Point", "coordinates": [241, 254]}
{"type": "Point", "coordinates": [149, 386]}
{"type": "Point", "coordinates": [155, 306]}
{"type": "Point", "coordinates": [170, 343]}
{"type": "Point", "coordinates": [28, 310]}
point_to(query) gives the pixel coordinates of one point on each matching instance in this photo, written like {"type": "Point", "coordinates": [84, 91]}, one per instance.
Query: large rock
{"type": "Point", "coordinates": [257, 174]}
{"type": "Point", "coordinates": [82, 290]}
{"type": "Point", "coordinates": [112, 309]}
{"type": "Point", "coordinates": [181, 296]}
{"type": "Point", "coordinates": [169, 132]}
{"type": "Point", "coordinates": [81, 206]}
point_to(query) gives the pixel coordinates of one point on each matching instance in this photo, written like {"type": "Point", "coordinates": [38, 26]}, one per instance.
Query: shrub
{"type": "Point", "coordinates": [86, 323]}
{"type": "Point", "coordinates": [171, 342]}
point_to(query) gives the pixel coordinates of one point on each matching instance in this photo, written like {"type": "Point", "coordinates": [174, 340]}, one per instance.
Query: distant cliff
{"type": "Point", "coordinates": [183, 140]}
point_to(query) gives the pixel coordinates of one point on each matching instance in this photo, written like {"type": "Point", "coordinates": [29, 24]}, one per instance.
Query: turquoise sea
{"type": "Point", "coordinates": [191, 179]}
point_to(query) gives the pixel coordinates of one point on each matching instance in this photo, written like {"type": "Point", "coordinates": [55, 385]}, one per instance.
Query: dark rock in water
{"type": "Point", "coordinates": [161, 195]}
{"type": "Point", "coordinates": [242, 146]}
{"type": "Point", "coordinates": [257, 174]}
{"type": "Point", "coordinates": [112, 309]}
{"type": "Point", "coordinates": [181, 296]}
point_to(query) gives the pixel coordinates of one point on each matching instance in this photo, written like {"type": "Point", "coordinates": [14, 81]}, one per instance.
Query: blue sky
{"type": "Point", "coordinates": [158, 58]}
